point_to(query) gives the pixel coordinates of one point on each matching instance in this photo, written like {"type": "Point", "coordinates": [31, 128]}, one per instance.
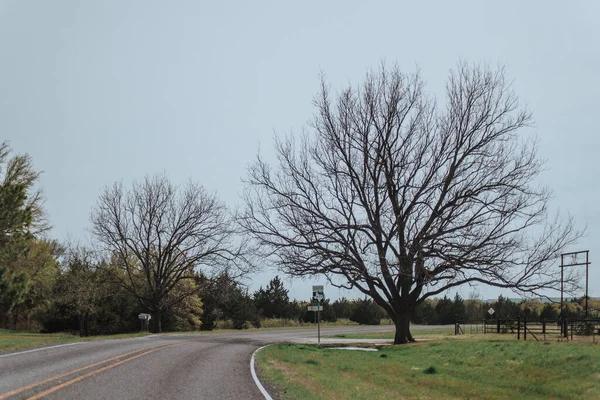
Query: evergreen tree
{"type": "Point", "coordinates": [273, 301]}
{"type": "Point", "coordinates": [459, 309]}
{"type": "Point", "coordinates": [445, 312]}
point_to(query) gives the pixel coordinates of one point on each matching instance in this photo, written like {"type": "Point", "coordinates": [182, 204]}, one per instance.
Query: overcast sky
{"type": "Point", "coordinates": [103, 91]}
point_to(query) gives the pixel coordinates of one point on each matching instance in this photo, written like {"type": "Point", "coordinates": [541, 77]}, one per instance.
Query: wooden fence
{"type": "Point", "coordinates": [583, 330]}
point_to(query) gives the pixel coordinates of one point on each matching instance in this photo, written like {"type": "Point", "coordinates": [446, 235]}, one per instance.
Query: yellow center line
{"type": "Point", "coordinates": [32, 385]}
{"type": "Point", "coordinates": [79, 378]}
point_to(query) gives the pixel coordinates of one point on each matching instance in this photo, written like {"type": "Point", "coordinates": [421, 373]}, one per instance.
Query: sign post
{"type": "Point", "coordinates": [319, 296]}
{"type": "Point", "coordinates": [144, 320]}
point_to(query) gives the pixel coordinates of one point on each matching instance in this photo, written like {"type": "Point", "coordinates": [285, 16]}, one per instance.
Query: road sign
{"type": "Point", "coordinates": [491, 311]}
{"type": "Point", "coordinates": [318, 292]}
{"type": "Point", "coordinates": [315, 308]}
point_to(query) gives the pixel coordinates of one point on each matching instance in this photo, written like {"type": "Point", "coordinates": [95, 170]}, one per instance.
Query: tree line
{"type": "Point", "coordinates": [448, 310]}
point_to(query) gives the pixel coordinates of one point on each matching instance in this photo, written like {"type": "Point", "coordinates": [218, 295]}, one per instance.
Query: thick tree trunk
{"type": "Point", "coordinates": [403, 335]}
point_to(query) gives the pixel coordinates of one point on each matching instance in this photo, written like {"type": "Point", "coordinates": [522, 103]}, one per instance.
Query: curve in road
{"type": "Point", "coordinates": [181, 366]}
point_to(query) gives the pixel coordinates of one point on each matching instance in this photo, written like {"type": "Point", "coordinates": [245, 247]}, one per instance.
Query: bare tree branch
{"type": "Point", "coordinates": [403, 199]}
{"type": "Point", "coordinates": [161, 235]}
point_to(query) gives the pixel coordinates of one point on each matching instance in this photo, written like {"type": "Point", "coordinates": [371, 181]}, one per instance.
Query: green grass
{"type": "Point", "coordinates": [390, 335]}
{"type": "Point", "coordinates": [441, 369]}
{"type": "Point", "coordinates": [21, 340]}
{"type": "Point", "coordinates": [286, 323]}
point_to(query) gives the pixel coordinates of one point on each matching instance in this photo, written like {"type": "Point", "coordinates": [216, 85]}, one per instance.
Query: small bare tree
{"type": "Point", "coordinates": [403, 199]}
{"type": "Point", "coordinates": [158, 235]}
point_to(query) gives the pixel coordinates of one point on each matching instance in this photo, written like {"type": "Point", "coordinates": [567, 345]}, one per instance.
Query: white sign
{"type": "Point", "coordinates": [315, 308]}
{"type": "Point", "coordinates": [491, 311]}
{"type": "Point", "coordinates": [318, 292]}
{"type": "Point", "coordinates": [145, 316]}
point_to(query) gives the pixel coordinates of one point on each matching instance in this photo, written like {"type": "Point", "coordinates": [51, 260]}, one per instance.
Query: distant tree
{"type": "Point", "coordinates": [240, 309]}
{"type": "Point", "coordinates": [273, 301]}
{"type": "Point", "coordinates": [550, 311]}
{"type": "Point", "coordinates": [185, 315]}
{"type": "Point", "coordinates": [342, 308]}
{"type": "Point", "coordinates": [475, 308]}
{"type": "Point", "coordinates": [79, 287]}
{"type": "Point", "coordinates": [224, 298]}
{"type": "Point", "coordinates": [21, 218]}
{"type": "Point", "coordinates": [12, 292]}
{"type": "Point", "coordinates": [531, 309]}
{"type": "Point", "coordinates": [159, 235]}
{"type": "Point", "coordinates": [328, 312]}
{"type": "Point", "coordinates": [572, 310]}
{"type": "Point", "coordinates": [367, 312]}
{"type": "Point", "coordinates": [298, 310]}
{"type": "Point", "coordinates": [39, 264]}
{"type": "Point", "coordinates": [21, 205]}
{"type": "Point", "coordinates": [402, 198]}
{"type": "Point", "coordinates": [425, 313]}
{"type": "Point", "coordinates": [505, 308]}
{"type": "Point", "coordinates": [445, 311]}
{"type": "Point", "coordinates": [459, 309]}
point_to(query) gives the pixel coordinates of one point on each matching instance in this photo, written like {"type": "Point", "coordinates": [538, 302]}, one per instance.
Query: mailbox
{"type": "Point", "coordinates": [146, 317]}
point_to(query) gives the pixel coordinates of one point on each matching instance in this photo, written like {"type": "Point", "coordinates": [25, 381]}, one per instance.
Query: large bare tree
{"type": "Point", "coordinates": [158, 234]}
{"type": "Point", "coordinates": [402, 198]}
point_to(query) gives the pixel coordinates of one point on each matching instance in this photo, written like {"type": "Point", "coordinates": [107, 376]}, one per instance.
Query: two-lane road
{"type": "Point", "coordinates": [193, 366]}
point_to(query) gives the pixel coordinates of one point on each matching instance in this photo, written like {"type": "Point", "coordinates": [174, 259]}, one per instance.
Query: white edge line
{"type": "Point", "coordinates": [40, 349]}
{"type": "Point", "coordinates": [256, 381]}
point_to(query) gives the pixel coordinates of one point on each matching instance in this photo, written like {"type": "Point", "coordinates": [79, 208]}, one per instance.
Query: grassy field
{"type": "Point", "coordinates": [390, 335]}
{"type": "Point", "coordinates": [440, 369]}
{"type": "Point", "coordinates": [20, 340]}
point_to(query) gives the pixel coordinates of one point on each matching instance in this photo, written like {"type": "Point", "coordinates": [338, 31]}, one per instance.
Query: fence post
{"type": "Point", "coordinates": [498, 325]}
{"type": "Point", "coordinates": [455, 326]}
{"type": "Point", "coordinates": [544, 326]}
{"type": "Point", "coordinates": [571, 330]}
{"type": "Point", "coordinates": [525, 328]}
{"type": "Point", "coordinates": [518, 328]}
{"type": "Point", "coordinates": [565, 328]}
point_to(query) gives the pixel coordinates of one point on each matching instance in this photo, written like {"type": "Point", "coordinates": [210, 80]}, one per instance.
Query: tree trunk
{"type": "Point", "coordinates": [157, 317]}
{"type": "Point", "coordinates": [15, 318]}
{"type": "Point", "coordinates": [81, 325]}
{"type": "Point", "coordinates": [86, 324]}
{"type": "Point", "coordinates": [403, 335]}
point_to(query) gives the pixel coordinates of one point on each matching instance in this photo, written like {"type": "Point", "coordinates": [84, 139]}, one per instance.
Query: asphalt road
{"type": "Point", "coordinates": [193, 366]}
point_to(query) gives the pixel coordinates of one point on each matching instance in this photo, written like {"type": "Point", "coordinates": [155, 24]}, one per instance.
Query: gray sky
{"type": "Point", "coordinates": [102, 91]}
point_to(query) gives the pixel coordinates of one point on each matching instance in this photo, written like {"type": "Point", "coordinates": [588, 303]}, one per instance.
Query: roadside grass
{"type": "Point", "coordinates": [286, 323]}
{"type": "Point", "coordinates": [440, 369]}
{"type": "Point", "coordinates": [390, 334]}
{"type": "Point", "coordinates": [22, 340]}
{"type": "Point", "coordinates": [268, 325]}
